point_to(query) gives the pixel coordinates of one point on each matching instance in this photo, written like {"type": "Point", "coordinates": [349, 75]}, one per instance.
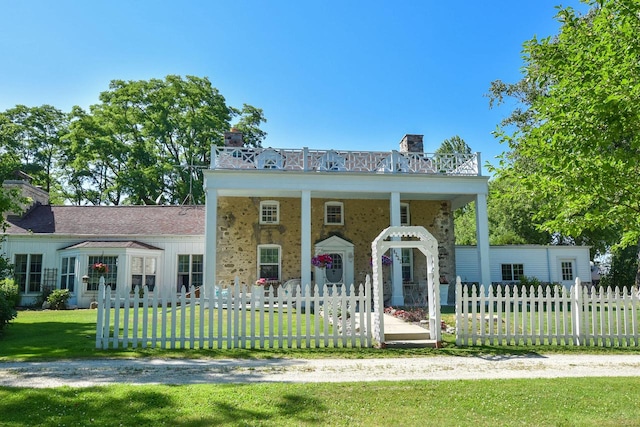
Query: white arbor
{"type": "Point", "coordinates": [391, 238]}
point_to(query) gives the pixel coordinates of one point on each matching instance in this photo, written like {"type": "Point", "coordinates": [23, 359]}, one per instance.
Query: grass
{"type": "Point", "coordinates": [47, 335]}
{"type": "Point", "coordinates": [557, 402]}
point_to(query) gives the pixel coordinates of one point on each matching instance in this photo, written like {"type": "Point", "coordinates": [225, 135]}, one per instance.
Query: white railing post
{"type": "Point", "coordinates": [214, 156]}
{"type": "Point", "coordinates": [305, 159]}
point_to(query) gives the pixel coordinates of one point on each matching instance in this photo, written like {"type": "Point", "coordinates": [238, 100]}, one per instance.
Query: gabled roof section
{"type": "Point", "coordinates": [111, 221]}
{"type": "Point", "coordinates": [103, 244]}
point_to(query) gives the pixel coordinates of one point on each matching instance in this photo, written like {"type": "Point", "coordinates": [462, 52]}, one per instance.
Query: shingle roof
{"type": "Point", "coordinates": [111, 220]}
{"type": "Point", "coordinates": [102, 244]}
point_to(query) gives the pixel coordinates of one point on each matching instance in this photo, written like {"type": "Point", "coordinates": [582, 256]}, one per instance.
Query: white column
{"type": "Point", "coordinates": [397, 294]}
{"type": "Point", "coordinates": [482, 236]}
{"type": "Point", "coordinates": [210, 240]}
{"type": "Point", "coordinates": [305, 238]}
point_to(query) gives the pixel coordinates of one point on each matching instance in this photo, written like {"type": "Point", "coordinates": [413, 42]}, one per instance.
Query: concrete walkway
{"type": "Point", "coordinates": [398, 333]}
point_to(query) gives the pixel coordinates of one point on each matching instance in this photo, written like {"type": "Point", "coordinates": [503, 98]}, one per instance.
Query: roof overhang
{"type": "Point", "coordinates": [459, 190]}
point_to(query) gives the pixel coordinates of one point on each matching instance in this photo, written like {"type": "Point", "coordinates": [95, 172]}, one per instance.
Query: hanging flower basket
{"type": "Point", "coordinates": [322, 261]}
{"type": "Point", "coordinates": [100, 267]}
{"type": "Point", "coordinates": [386, 261]}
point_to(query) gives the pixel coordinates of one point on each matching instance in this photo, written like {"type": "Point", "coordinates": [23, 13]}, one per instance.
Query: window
{"type": "Point", "coordinates": [143, 272]}
{"type": "Point", "coordinates": [405, 219]}
{"type": "Point", "coordinates": [269, 262]}
{"type": "Point", "coordinates": [28, 272]}
{"type": "Point", "coordinates": [407, 265]}
{"type": "Point", "coordinates": [190, 271]}
{"type": "Point", "coordinates": [333, 213]}
{"type": "Point", "coordinates": [511, 272]}
{"type": "Point", "coordinates": [269, 212]}
{"type": "Point", "coordinates": [68, 273]}
{"type": "Point", "coordinates": [110, 275]}
{"type": "Point", "coordinates": [567, 270]}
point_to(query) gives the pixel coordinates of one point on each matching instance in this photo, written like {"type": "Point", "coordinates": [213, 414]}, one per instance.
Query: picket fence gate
{"type": "Point", "coordinates": [240, 316]}
{"type": "Point", "coordinates": [550, 315]}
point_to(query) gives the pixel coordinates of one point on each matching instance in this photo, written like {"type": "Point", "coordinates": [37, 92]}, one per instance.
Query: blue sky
{"type": "Point", "coordinates": [350, 75]}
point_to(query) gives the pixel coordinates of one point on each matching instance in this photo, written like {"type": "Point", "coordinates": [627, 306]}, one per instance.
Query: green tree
{"type": "Point", "coordinates": [31, 140]}
{"type": "Point", "coordinates": [623, 268]}
{"type": "Point", "coordinates": [575, 145]}
{"type": "Point", "coordinates": [510, 220]}
{"type": "Point", "coordinates": [448, 154]}
{"type": "Point", "coordinates": [147, 141]}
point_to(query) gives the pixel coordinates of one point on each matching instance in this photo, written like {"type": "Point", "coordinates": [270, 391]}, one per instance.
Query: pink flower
{"type": "Point", "coordinates": [322, 261]}
{"type": "Point", "coordinates": [100, 267]}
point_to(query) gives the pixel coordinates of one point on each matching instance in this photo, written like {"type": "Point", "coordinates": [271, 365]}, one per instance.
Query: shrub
{"type": "Point", "coordinates": [11, 291]}
{"type": "Point", "coordinates": [58, 299]}
{"type": "Point", "coordinates": [7, 309]}
{"type": "Point", "coordinates": [43, 296]}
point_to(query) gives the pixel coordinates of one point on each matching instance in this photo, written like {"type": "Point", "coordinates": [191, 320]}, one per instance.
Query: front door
{"type": "Point", "coordinates": [340, 274]}
{"type": "Point", "coordinates": [335, 275]}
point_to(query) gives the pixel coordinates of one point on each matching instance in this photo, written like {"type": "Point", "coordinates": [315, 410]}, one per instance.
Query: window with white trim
{"type": "Point", "coordinates": [567, 270]}
{"type": "Point", "coordinates": [143, 272]}
{"type": "Point", "coordinates": [68, 273]}
{"type": "Point", "coordinates": [333, 213]}
{"type": "Point", "coordinates": [190, 271]}
{"type": "Point", "coordinates": [512, 272]}
{"type": "Point", "coordinates": [405, 219]}
{"type": "Point", "coordinates": [407, 265]}
{"type": "Point", "coordinates": [110, 274]}
{"type": "Point", "coordinates": [269, 261]}
{"type": "Point", "coordinates": [269, 212]}
{"type": "Point", "coordinates": [28, 272]}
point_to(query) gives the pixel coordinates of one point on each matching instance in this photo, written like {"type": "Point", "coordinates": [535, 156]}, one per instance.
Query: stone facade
{"type": "Point", "coordinates": [240, 233]}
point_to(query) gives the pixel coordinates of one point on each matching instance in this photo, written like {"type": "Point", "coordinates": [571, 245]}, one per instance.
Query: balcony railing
{"type": "Point", "coordinates": [344, 161]}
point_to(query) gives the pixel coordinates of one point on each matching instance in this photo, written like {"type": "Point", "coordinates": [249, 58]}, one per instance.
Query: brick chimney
{"type": "Point", "coordinates": [411, 144]}
{"type": "Point", "coordinates": [233, 138]}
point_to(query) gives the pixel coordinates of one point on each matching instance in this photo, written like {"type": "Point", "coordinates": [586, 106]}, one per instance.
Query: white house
{"type": "Point", "coordinates": [58, 246]}
{"type": "Point", "coordinates": [268, 212]}
{"type": "Point", "coordinates": [549, 264]}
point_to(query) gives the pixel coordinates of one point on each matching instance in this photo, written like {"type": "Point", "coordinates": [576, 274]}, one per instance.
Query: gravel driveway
{"type": "Point", "coordinates": [84, 373]}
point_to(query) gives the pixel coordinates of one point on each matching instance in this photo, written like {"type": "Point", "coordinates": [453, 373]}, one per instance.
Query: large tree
{"type": "Point", "coordinates": [147, 141]}
{"type": "Point", "coordinates": [31, 141]}
{"type": "Point", "coordinates": [575, 146]}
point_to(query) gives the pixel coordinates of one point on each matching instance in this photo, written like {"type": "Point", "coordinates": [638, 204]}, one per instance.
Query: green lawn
{"type": "Point", "coordinates": [557, 402]}
{"type": "Point", "coordinates": [46, 335]}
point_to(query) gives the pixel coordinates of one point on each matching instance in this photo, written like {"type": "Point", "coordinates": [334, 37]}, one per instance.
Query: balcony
{"type": "Point", "coordinates": [306, 160]}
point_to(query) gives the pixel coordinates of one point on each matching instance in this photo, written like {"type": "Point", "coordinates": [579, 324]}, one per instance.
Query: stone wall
{"type": "Point", "coordinates": [239, 234]}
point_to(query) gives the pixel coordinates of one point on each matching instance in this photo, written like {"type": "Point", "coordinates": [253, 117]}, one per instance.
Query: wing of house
{"type": "Point", "coordinates": [549, 264]}
{"type": "Point", "coordinates": [58, 247]}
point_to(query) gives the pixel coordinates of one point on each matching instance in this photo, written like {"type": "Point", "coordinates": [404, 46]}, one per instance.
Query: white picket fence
{"type": "Point", "coordinates": [501, 315]}
{"type": "Point", "coordinates": [235, 317]}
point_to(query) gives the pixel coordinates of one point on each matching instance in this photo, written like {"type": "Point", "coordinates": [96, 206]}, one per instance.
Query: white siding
{"type": "Point", "coordinates": [541, 262]}
{"type": "Point", "coordinates": [50, 247]}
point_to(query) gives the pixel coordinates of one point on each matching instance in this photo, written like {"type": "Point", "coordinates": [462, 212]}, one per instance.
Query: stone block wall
{"type": "Point", "coordinates": [240, 233]}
